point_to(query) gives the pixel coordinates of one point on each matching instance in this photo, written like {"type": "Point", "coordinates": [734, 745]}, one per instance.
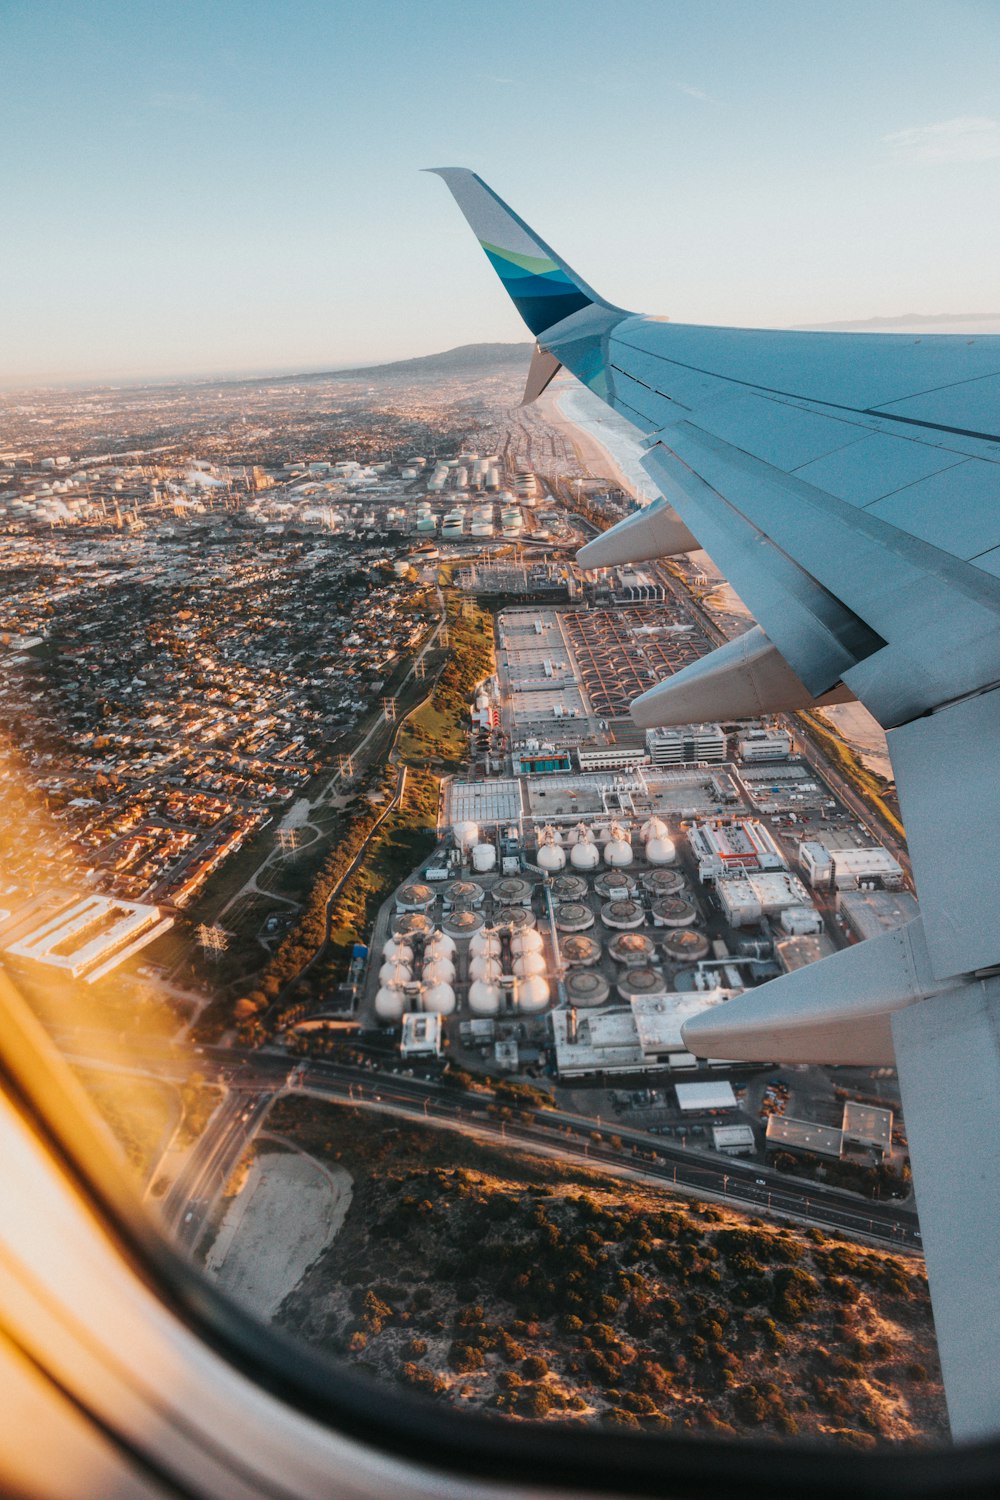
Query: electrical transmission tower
{"type": "Point", "coordinates": [345, 765]}
{"type": "Point", "coordinates": [213, 941]}
{"type": "Point", "coordinates": [389, 709]}
{"type": "Point", "coordinates": [420, 669]}
{"type": "Point", "coordinates": [288, 838]}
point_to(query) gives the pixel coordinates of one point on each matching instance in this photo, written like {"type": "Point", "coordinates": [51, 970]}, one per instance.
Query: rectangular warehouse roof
{"type": "Point", "coordinates": [698, 1096]}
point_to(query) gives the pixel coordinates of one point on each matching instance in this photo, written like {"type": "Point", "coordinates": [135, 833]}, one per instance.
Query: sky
{"type": "Point", "coordinates": [195, 189]}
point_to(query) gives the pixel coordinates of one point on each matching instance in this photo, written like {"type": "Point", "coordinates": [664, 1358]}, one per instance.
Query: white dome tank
{"type": "Point", "coordinates": [585, 856]}
{"type": "Point", "coordinates": [484, 998]}
{"type": "Point", "coordinates": [661, 851]}
{"type": "Point", "coordinates": [438, 999]}
{"type": "Point", "coordinates": [527, 964]}
{"type": "Point", "coordinates": [653, 828]}
{"type": "Point", "coordinates": [580, 833]}
{"type": "Point", "coordinates": [618, 852]}
{"type": "Point", "coordinates": [484, 858]}
{"type": "Point", "coordinates": [439, 971]}
{"type": "Point", "coordinates": [551, 858]}
{"type": "Point", "coordinates": [439, 945]}
{"type": "Point", "coordinates": [389, 1004]}
{"type": "Point", "coordinates": [466, 834]}
{"type": "Point", "coordinates": [528, 941]}
{"type": "Point", "coordinates": [485, 966]}
{"type": "Point", "coordinates": [531, 994]}
{"type": "Point", "coordinates": [485, 942]}
{"type": "Point", "coordinates": [395, 973]}
{"type": "Point", "coordinates": [550, 834]}
{"type": "Point", "coordinates": [395, 949]}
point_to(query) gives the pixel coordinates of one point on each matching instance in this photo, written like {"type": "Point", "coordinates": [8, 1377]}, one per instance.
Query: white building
{"type": "Point", "coordinates": [764, 744]}
{"type": "Point", "coordinates": [731, 846]}
{"type": "Point", "coordinates": [610, 758]}
{"type": "Point", "coordinates": [849, 869]}
{"type": "Point", "coordinates": [421, 1035]}
{"type": "Point", "coordinates": [686, 744]}
{"type": "Point", "coordinates": [746, 898]}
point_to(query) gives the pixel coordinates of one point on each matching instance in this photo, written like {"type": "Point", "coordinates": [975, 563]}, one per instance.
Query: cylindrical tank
{"type": "Point", "coordinates": [512, 891]}
{"type": "Point", "coordinates": [585, 856]}
{"type": "Point", "coordinates": [483, 943]}
{"type": "Point", "coordinates": [686, 946]}
{"type": "Point", "coordinates": [580, 949]}
{"type": "Point", "coordinates": [484, 998]}
{"type": "Point", "coordinates": [394, 972]}
{"type": "Point", "coordinates": [412, 924]}
{"type": "Point", "coordinates": [529, 963]}
{"type": "Point", "coordinates": [414, 897]}
{"type": "Point", "coordinates": [632, 948]}
{"type": "Point", "coordinates": [464, 892]}
{"type": "Point", "coordinates": [569, 887]}
{"type": "Point", "coordinates": [622, 914]}
{"type": "Point", "coordinates": [485, 966]}
{"type": "Point", "coordinates": [531, 994]}
{"type": "Point", "coordinates": [662, 882]}
{"type": "Point", "coordinates": [573, 916]}
{"type": "Point", "coordinates": [584, 987]}
{"type": "Point", "coordinates": [615, 885]}
{"type": "Point", "coordinates": [438, 999]}
{"type": "Point", "coordinates": [661, 851]}
{"type": "Point", "coordinates": [394, 949]}
{"type": "Point", "coordinates": [647, 982]}
{"type": "Point", "coordinates": [673, 911]}
{"type": "Point", "coordinates": [618, 852]}
{"type": "Point", "coordinates": [439, 971]}
{"type": "Point", "coordinates": [529, 941]}
{"type": "Point", "coordinates": [482, 701]}
{"type": "Point", "coordinates": [516, 918]}
{"type": "Point", "coordinates": [389, 1005]}
{"type": "Point", "coordinates": [551, 858]}
{"type": "Point", "coordinates": [653, 828]}
{"type": "Point", "coordinates": [462, 923]}
{"type": "Point", "coordinates": [484, 858]}
{"type": "Point", "coordinates": [465, 835]}
{"type": "Point", "coordinates": [440, 945]}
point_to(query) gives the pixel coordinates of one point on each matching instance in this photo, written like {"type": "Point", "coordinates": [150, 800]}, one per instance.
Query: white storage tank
{"type": "Point", "coordinates": [485, 966]}
{"type": "Point", "coordinates": [465, 835]}
{"type": "Point", "coordinates": [439, 945]}
{"type": "Point", "coordinates": [661, 851]}
{"type": "Point", "coordinates": [439, 971]}
{"type": "Point", "coordinates": [485, 944]}
{"type": "Point", "coordinates": [395, 972]}
{"type": "Point", "coordinates": [531, 994]}
{"type": "Point", "coordinates": [551, 858]}
{"type": "Point", "coordinates": [396, 949]}
{"type": "Point", "coordinates": [484, 858]}
{"type": "Point", "coordinates": [485, 999]}
{"type": "Point", "coordinates": [529, 941]}
{"type": "Point", "coordinates": [579, 833]}
{"type": "Point", "coordinates": [438, 999]}
{"type": "Point", "coordinates": [389, 1005]}
{"type": "Point", "coordinates": [550, 834]}
{"type": "Point", "coordinates": [527, 964]}
{"type": "Point", "coordinates": [653, 828]}
{"type": "Point", "coordinates": [618, 852]}
{"type": "Point", "coordinates": [585, 854]}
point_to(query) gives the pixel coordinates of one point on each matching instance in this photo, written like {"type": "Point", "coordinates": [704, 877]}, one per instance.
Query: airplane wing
{"type": "Point", "coordinates": [848, 486]}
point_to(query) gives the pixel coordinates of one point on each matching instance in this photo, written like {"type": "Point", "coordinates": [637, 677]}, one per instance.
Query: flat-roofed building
{"type": "Point", "coordinates": [849, 869]}
{"type": "Point", "coordinates": [686, 744]}
{"type": "Point", "coordinates": [786, 1134]}
{"type": "Point", "coordinates": [695, 1098]}
{"type": "Point", "coordinates": [868, 914]}
{"type": "Point", "coordinates": [733, 1140]}
{"type": "Point", "coordinates": [808, 948]}
{"type": "Point", "coordinates": [610, 757]}
{"type": "Point", "coordinates": [749, 896]}
{"type": "Point", "coordinates": [733, 846]}
{"type": "Point", "coordinates": [764, 744]}
{"type": "Point", "coordinates": [867, 1125]}
{"type": "Point", "coordinates": [421, 1035]}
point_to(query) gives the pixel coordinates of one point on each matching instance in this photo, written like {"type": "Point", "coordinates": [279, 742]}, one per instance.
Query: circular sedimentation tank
{"type": "Point", "coordinates": [585, 988]}
{"type": "Point", "coordinates": [573, 916]}
{"type": "Point", "coordinates": [414, 897]}
{"type": "Point", "coordinates": [662, 882]}
{"type": "Point", "coordinates": [615, 885]}
{"type": "Point", "coordinates": [644, 981]}
{"type": "Point", "coordinates": [622, 914]}
{"type": "Point", "coordinates": [511, 891]}
{"type": "Point", "coordinates": [462, 923]}
{"type": "Point", "coordinates": [413, 924]}
{"type": "Point", "coordinates": [632, 948]}
{"type": "Point", "coordinates": [580, 950]}
{"type": "Point", "coordinates": [685, 945]}
{"type": "Point", "coordinates": [516, 919]}
{"type": "Point", "coordinates": [673, 911]}
{"type": "Point", "coordinates": [463, 893]}
{"type": "Point", "coordinates": [569, 888]}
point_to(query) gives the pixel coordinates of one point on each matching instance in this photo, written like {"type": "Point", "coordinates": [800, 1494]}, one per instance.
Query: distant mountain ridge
{"type": "Point", "coordinates": [465, 359]}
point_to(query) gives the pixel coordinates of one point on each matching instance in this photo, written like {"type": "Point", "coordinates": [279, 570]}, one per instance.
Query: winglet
{"type": "Point", "coordinates": [540, 284]}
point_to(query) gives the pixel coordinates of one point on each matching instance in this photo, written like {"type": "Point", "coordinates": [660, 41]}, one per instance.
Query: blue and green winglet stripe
{"type": "Point", "coordinates": [540, 290]}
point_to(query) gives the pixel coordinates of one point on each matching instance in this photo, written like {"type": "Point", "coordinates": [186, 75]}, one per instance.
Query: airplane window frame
{"type": "Point", "coordinates": [41, 1086]}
